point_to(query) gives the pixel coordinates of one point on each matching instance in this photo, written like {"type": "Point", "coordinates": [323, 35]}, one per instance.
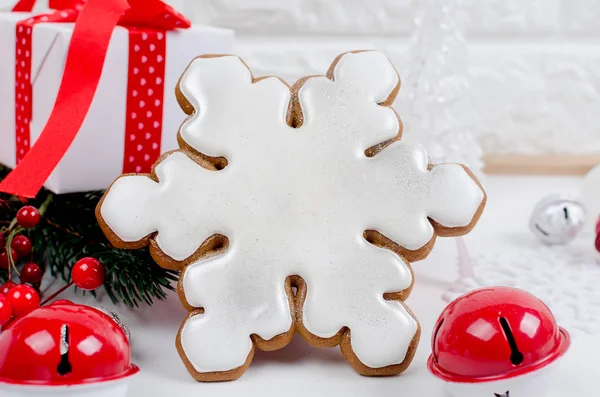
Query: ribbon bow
{"type": "Point", "coordinates": [141, 13]}
{"type": "Point", "coordinates": [95, 22]}
{"type": "Point", "coordinates": [27, 5]}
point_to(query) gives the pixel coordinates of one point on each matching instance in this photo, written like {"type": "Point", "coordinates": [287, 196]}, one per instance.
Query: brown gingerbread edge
{"type": "Point", "coordinates": [217, 244]}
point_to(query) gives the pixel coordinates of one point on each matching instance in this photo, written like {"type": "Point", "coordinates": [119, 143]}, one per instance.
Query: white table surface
{"type": "Point", "coordinates": [300, 370]}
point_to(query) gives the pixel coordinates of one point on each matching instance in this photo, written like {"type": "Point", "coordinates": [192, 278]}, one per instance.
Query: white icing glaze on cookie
{"type": "Point", "coordinates": [293, 202]}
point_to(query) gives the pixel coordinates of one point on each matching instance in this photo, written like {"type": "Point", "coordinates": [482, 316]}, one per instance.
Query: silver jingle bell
{"type": "Point", "coordinates": [117, 320]}
{"type": "Point", "coordinates": [557, 219]}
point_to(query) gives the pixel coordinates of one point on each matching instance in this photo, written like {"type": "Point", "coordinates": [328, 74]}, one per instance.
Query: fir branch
{"type": "Point", "coordinates": [69, 231]}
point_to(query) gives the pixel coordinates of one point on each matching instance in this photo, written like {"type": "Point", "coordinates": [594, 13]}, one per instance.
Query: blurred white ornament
{"type": "Point", "coordinates": [440, 114]}
{"type": "Point", "coordinates": [557, 219]}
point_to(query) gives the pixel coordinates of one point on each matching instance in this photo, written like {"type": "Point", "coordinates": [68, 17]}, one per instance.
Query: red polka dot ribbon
{"type": "Point", "coordinates": [147, 21]}
{"type": "Point", "coordinates": [23, 89]}
{"type": "Point", "coordinates": [145, 91]}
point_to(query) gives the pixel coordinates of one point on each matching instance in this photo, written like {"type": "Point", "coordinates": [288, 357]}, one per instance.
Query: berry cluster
{"type": "Point", "coordinates": [18, 246]}
{"type": "Point", "coordinates": [18, 300]}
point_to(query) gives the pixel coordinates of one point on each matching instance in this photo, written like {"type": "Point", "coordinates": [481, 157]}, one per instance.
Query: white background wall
{"type": "Point", "coordinates": [535, 63]}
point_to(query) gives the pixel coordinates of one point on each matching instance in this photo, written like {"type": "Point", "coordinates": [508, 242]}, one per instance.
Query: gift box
{"type": "Point", "coordinates": [134, 116]}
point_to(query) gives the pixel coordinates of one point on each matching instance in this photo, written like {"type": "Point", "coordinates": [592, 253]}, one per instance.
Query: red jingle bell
{"type": "Point", "coordinates": [62, 302]}
{"type": "Point", "coordinates": [65, 347]}
{"type": "Point", "coordinates": [493, 340]}
{"type": "Point", "coordinates": [597, 241]}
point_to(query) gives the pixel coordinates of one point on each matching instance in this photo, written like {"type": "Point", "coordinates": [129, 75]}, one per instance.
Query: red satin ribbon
{"type": "Point", "coordinates": [85, 59]}
{"type": "Point", "coordinates": [24, 6]}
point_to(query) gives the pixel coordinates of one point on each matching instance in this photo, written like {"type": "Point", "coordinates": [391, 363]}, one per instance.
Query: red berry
{"type": "Point", "coordinates": [31, 273]}
{"type": "Point", "coordinates": [23, 299]}
{"type": "Point", "coordinates": [4, 257]}
{"type": "Point", "coordinates": [88, 274]}
{"type": "Point", "coordinates": [5, 310]}
{"type": "Point", "coordinates": [2, 241]}
{"type": "Point", "coordinates": [28, 217]}
{"type": "Point", "coordinates": [7, 286]}
{"type": "Point", "coordinates": [22, 245]}
{"type": "Point", "coordinates": [597, 243]}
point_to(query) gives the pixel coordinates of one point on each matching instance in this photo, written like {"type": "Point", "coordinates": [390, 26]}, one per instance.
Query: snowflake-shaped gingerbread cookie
{"type": "Point", "coordinates": [292, 209]}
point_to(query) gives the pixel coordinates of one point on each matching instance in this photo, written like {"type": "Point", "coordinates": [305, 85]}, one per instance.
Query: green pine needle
{"type": "Point", "coordinates": [69, 231]}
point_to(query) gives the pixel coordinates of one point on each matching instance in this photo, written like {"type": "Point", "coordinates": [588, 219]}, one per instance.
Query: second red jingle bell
{"type": "Point", "coordinates": [65, 348]}
{"type": "Point", "coordinates": [497, 341]}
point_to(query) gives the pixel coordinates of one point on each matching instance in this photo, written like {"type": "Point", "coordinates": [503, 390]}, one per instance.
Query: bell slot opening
{"type": "Point", "coordinates": [64, 366]}
{"type": "Point", "coordinates": [516, 357]}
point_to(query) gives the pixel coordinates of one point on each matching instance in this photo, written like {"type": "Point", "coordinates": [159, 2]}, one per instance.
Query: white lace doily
{"type": "Point", "coordinates": [566, 279]}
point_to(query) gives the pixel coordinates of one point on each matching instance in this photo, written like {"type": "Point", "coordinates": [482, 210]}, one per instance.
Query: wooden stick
{"type": "Point", "coordinates": [543, 164]}
{"type": "Point", "coordinates": [54, 295]}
